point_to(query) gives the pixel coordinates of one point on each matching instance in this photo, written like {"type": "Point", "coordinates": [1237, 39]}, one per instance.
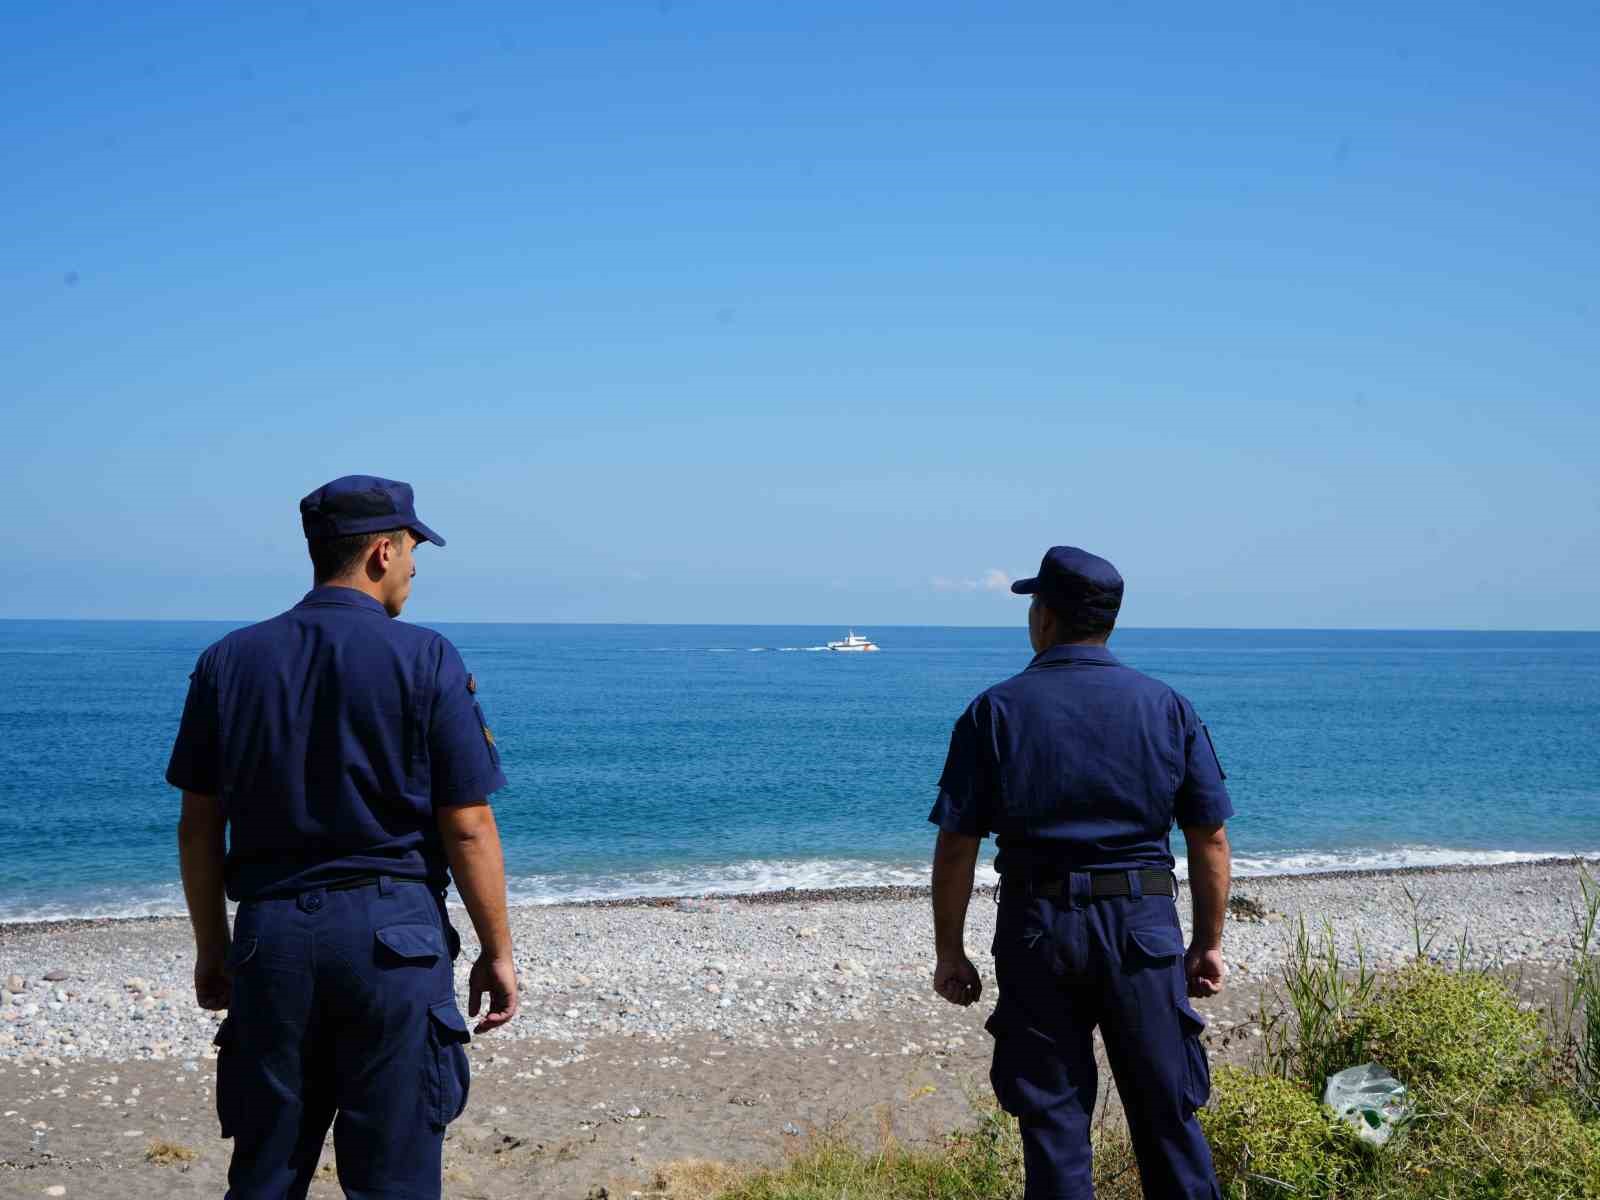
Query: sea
{"type": "Point", "coordinates": [661, 760]}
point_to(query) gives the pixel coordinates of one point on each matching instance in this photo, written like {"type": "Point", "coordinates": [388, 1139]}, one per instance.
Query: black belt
{"type": "Point", "coordinates": [361, 881]}
{"type": "Point", "coordinates": [1108, 883]}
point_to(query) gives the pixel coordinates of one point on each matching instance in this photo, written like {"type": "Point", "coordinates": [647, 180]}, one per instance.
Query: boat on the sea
{"type": "Point", "coordinates": [853, 644]}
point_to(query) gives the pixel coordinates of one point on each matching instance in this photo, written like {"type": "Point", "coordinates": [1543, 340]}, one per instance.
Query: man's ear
{"type": "Point", "coordinates": [379, 557]}
{"type": "Point", "coordinates": [1049, 624]}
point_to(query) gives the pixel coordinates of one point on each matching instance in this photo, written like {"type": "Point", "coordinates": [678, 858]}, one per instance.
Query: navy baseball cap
{"type": "Point", "coordinates": [362, 504]}
{"type": "Point", "coordinates": [1073, 581]}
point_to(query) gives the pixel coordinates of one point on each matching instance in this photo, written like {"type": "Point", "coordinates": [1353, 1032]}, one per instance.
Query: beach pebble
{"type": "Point", "coordinates": [55, 1189]}
{"type": "Point", "coordinates": [790, 1128]}
{"type": "Point", "coordinates": [663, 973]}
{"type": "Point", "coordinates": [16, 983]}
{"type": "Point", "coordinates": [55, 976]}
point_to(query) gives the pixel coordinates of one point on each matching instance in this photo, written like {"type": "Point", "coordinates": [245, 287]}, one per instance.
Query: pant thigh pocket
{"type": "Point", "coordinates": [229, 1083]}
{"type": "Point", "coordinates": [1197, 1068]}
{"type": "Point", "coordinates": [449, 1077]}
{"type": "Point", "coordinates": [1025, 1074]}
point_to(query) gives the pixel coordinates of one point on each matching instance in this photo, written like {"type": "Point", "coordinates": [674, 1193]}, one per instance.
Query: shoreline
{"type": "Point", "coordinates": [854, 893]}
{"type": "Point", "coordinates": [656, 1031]}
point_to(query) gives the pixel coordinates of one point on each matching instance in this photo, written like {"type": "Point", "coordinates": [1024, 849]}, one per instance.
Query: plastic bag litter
{"type": "Point", "coordinates": [1370, 1100]}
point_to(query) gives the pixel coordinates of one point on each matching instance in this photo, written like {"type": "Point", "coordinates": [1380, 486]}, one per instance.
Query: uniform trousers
{"type": "Point", "coordinates": [1065, 966]}
{"type": "Point", "coordinates": [343, 1013]}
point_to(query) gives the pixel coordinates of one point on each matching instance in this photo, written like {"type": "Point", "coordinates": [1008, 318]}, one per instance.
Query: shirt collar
{"type": "Point", "coordinates": [1057, 656]}
{"type": "Point", "coordinates": [332, 593]}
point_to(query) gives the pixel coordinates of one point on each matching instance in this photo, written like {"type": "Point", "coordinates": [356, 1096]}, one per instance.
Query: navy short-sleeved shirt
{"type": "Point", "coordinates": [331, 734]}
{"type": "Point", "coordinates": [1080, 763]}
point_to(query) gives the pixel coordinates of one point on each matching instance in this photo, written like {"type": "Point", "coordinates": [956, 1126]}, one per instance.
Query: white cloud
{"type": "Point", "coordinates": [992, 580]}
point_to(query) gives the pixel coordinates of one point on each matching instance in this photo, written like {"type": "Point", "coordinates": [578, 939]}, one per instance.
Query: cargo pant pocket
{"type": "Point", "coordinates": [1025, 1074]}
{"type": "Point", "coordinates": [449, 1077]}
{"type": "Point", "coordinates": [229, 1084]}
{"type": "Point", "coordinates": [1197, 1068]}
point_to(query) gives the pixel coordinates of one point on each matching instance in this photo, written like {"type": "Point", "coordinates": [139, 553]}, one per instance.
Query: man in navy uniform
{"type": "Point", "coordinates": [1080, 766]}
{"type": "Point", "coordinates": [346, 757]}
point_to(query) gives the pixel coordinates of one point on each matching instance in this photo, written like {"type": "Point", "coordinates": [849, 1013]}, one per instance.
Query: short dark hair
{"type": "Point", "coordinates": [332, 558]}
{"type": "Point", "coordinates": [1081, 627]}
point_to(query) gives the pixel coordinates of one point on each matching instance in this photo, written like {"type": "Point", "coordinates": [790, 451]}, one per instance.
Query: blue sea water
{"type": "Point", "coordinates": [650, 760]}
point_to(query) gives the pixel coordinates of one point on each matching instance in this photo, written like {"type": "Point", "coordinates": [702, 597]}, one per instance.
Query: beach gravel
{"type": "Point", "coordinates": [708, 1026]}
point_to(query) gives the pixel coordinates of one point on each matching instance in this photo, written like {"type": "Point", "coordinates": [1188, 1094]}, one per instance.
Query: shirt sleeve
{"type": "Point", "coordinates": [464, 762]}
{"type": "Point", "coordinates": [966, 788]}
{"type": "Point", "coordinates": [1202, 796]}
{"type": "Point", "coordinates": [196, 762]}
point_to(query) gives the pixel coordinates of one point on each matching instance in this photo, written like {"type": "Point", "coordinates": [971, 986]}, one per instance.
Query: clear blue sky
{"type": "Point", "coordinates": [818, 313]}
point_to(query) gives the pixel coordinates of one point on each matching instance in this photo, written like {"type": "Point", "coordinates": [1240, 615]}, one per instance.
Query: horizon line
{"type": "Point", "coordinates": [830, 625]}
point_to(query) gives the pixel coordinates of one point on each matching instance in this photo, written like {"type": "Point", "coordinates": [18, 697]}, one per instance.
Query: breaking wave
{"type": "Point", "coordinates": [776, 875]}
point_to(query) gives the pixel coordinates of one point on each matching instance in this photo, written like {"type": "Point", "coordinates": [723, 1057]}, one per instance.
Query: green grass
{"type": "Point", "coordinates": [980, 1163]}
{"type": "Point", "coordinates": [1507, 1103]}
{"type": "Point", "coordinates": [1270, 1137]}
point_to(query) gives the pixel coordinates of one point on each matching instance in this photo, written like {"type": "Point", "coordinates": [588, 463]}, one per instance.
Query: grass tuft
{"type": "Point", "coordinates": [1455, 1038]}
{"type": "Point", "coordinates": [1270, 1138]}
{"type": "Point", "coordinates": [1583, 1011]}
{"type": "Point", "coordinates": [163, 1153]}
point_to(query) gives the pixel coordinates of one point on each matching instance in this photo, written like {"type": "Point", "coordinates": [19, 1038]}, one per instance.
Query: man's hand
{"type": "Point", "coordinates": [1210, 873]}
{"type": "Point", "coordinates": [201, 849]}
{"type": "Point", "coordinates": [496, 977]}
{"type": "Point", "coordinates": [955, 858]}
{"type": "Point", "coordinates": [472, 846]}
{"type": "Point", "coordinates": [957, 980]}
{"type": "Point", "coordinates": [212, 987]}
{"type": "Point", "coordinates": [1204, 970]}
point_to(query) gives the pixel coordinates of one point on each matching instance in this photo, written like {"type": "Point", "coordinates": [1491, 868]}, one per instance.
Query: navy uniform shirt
{"type": "Point", "coordinates": [1080, 763]}
{"type": "Point", "coordinates": [331, 734]}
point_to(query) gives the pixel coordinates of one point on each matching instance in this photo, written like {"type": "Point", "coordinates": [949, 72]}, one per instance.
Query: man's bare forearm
{"type": "Point", "coordinates": [1210, 876]}
{"type": "Point", "coordinates": [472, 847]}
{"type": "Point", "coordinates": [202, 848]}
{"type": "Point", "coordinates": [955, 860]}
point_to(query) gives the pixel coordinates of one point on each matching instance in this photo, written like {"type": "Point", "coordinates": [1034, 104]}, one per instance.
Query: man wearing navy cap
{"type": "Point", "coordinates": [1080, 766]}
{"type": "Point", "coordinates": [346, 757]}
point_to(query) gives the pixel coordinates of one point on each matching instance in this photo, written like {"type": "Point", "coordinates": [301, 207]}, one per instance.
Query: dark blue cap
{"type": "Point", "coordinates": [362, 504]}
{"type": "Point", "coordinates": [1074, 582]}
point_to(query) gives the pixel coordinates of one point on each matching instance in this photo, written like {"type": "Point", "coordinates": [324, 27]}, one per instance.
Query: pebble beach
{"type": "Point", "coordinates": [654, 1030]}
